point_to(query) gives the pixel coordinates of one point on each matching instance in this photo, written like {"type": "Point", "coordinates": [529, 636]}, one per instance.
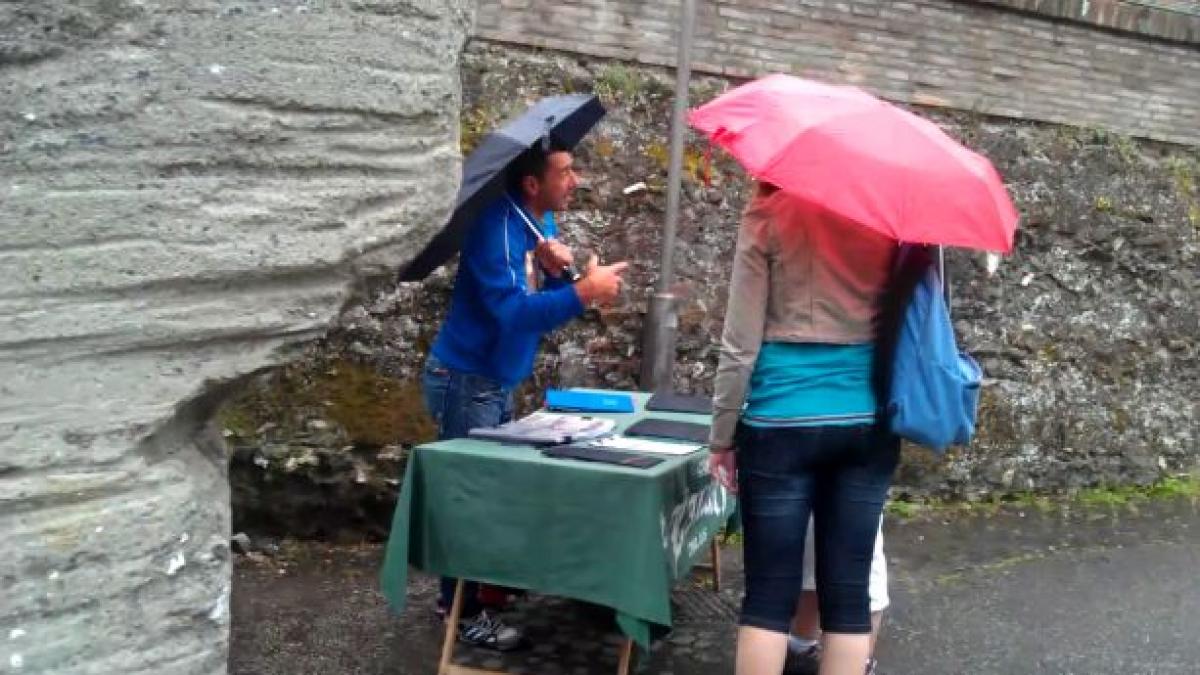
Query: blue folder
{"type": "Point", "coordinates": [588, 401]}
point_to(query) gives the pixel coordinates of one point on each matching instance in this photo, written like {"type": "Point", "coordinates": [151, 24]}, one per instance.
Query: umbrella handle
{"type": "Point", "coordinates": [570, 271]}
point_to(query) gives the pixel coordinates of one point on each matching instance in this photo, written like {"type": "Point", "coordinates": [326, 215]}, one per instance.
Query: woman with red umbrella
{"type": "Point", "coordinates": [843, 178]}
{"type": "Point", "coordinates": [797, 355]}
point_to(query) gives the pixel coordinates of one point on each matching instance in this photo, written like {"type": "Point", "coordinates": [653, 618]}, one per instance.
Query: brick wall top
{"type": "Point", "coordinates": [962, 54]}
{"type": "Point", "coordinates": [1177, 20]}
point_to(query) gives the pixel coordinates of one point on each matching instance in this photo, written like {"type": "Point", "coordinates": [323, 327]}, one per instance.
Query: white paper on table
{"type": "Point", "coordinates": [644, 445]}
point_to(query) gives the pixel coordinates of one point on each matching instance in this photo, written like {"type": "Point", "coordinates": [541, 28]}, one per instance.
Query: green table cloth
{"type": "Point", "coordinates": [507, 515]}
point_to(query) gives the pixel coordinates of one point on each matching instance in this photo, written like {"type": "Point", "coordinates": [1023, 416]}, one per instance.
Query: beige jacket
{"type": "Point", "coordinates": [800, 274]}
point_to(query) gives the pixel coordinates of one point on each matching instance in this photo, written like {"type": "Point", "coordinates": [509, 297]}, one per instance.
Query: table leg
{"type": "Point", "coordinates": [445, 666]}
{"type": "Point", "coordinates": [451, 630]}
{"type": "Point", "coordinates": [713, 566]}
{"type": "Point", "coordinates": [626, 657]}
{"type": "Point", "coordinates": [715, 551]}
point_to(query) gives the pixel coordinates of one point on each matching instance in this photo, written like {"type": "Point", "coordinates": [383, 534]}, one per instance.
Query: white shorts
{"type": "Point", "coordinates": [877, 588]}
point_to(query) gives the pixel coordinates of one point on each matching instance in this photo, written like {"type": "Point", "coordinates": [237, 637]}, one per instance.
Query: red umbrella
{"type": "Point", "coordinates": [864, 159]}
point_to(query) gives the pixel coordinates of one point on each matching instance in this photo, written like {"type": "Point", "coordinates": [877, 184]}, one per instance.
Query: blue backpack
{"type": "Point", "coordinates": [934, 394]}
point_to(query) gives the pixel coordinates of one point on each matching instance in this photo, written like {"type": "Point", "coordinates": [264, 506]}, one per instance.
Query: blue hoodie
{"type": "Point", "coordinates": [496, 323]}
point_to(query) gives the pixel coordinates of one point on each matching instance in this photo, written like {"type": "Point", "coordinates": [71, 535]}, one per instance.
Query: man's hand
{"type": "Point", "coordinates": [553, 256]}
{"type": "Point", "coordinates": [601, 283]}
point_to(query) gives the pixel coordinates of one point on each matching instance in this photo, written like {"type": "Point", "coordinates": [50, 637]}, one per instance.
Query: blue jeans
{"type": "Point", "coordinates": [459, 402]}
{"type": "Point", "coordinates": [838, 474]}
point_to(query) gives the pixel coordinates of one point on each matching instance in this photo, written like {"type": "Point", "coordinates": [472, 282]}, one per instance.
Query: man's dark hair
{"type": "Point", "coordinates": [532, 162]}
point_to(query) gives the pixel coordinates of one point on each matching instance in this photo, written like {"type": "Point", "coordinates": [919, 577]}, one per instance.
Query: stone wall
{"type": "Point", "coordinates": [185, 188]}
{"type": "Point", "coordinates": [1087, 333]}
{"type": "Point", "coordinates": [975, 56]}
{"type": "Point", "coordinates": [1177, 20]}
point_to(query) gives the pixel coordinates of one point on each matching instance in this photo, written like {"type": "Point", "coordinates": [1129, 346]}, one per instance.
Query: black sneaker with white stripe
{"type": "Point", "coordinates": [805, 661]}
{"type": "Point", "coordinates": [486, 631]}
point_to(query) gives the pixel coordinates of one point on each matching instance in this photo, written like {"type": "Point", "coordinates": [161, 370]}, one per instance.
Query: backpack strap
{"type": "Point", "coordinates": [912, 262]}
{"type": "Point", "coordinates": [945, 282]}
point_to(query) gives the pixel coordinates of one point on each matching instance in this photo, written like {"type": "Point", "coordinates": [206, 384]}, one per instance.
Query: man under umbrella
{"type": "Point", "coordinates": [514, 285]}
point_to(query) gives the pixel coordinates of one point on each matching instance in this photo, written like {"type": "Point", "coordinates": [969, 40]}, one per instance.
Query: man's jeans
{"type": "Point", "coordinates": [459, 402]}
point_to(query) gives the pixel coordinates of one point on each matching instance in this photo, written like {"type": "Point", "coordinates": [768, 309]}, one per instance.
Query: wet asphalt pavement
{"type": "Point", "coordinates": [1094, 591]}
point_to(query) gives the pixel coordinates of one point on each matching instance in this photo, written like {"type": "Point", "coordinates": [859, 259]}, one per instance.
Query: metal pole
{"type": "Point", "coordinates": [683, 76]}
{"type": "Point", "coordinates": [658, 349]}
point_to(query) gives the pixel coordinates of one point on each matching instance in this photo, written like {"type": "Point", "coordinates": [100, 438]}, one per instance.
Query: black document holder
{"type": "Point", "coordinates": [653, 427]}
{"type": "Point", "coordinates": [666, 401]}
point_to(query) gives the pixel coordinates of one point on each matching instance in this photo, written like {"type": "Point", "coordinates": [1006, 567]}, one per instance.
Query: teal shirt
{"type": "Point", "coordinates": [811, 384]}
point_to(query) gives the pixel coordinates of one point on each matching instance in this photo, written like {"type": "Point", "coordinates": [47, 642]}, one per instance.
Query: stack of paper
{"type": "Point", "coordinates": [545, 428]}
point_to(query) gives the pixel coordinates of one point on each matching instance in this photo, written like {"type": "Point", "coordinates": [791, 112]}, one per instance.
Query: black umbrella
{"type": "Point", "coordinates": [564, 120]}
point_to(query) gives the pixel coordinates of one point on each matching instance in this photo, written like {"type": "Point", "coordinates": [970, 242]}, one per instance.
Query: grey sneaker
{"type": "Point", "coordinates": [488, 632]}
{"type": "Point", "coordinates": [806, 662]}
{"type": "Point", "coordinates": [872, 664]}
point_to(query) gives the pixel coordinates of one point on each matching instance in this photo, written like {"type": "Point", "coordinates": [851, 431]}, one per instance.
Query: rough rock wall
{"type": "Point", "coordinates": [1087, 333]}
{"type": "Point", "coordinates": [185, 187]}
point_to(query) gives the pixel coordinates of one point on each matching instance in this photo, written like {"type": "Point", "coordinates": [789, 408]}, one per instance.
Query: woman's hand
{"type": "Point", "coordinates": [722, 464]}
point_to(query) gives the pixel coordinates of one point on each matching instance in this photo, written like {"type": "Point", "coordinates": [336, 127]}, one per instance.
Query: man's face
{"type": "Point", "coordinates": [553, 192]}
